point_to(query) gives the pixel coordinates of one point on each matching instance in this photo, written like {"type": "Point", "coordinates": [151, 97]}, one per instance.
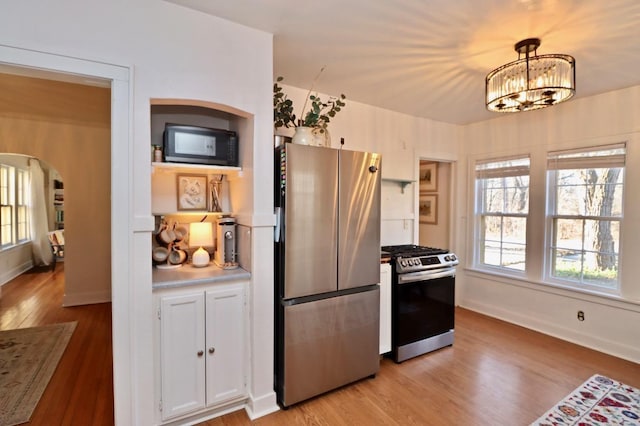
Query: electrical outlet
{"type": "Point", "coordinates": [580, 316]}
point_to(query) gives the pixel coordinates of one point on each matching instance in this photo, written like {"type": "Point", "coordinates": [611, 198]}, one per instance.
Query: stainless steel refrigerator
{"type": "Point", "coordinates": [327, 269]}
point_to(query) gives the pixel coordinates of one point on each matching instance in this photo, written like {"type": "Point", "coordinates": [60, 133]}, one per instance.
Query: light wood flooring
{"type": "Point", "coordinates": [81, 389]}
{"type": "Point", "coordinates": [495, 374]}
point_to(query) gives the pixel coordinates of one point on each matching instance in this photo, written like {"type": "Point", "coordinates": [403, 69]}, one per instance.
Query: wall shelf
{"type": "Point", "coordinates": [402, 182]}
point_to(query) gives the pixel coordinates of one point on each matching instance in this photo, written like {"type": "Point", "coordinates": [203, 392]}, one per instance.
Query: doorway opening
{"type": "Point", "coordinates": [434, 203]}
{"type": "Point", "coordinates": [62, 68]}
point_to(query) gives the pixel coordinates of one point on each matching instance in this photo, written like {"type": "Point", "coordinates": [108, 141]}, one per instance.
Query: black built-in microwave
{"type": "Point", "coordinates": [200, 145]}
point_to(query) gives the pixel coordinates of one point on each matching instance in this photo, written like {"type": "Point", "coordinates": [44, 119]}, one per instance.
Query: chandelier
{"type": "Point", "coordinates": [532, 82]}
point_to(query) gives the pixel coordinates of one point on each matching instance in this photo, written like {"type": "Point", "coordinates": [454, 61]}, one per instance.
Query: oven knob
{"type": "Point", "coordinates": [453, 257]}
{"type": "Point", "coordinates": [447, 258]}
{"type": "Point", "coordinates": [403, 262]}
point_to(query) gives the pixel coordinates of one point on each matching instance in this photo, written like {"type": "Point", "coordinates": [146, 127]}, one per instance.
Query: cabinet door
{"type": "Point", "coordinates": [182, 360]}
{"type": "Point", "coordinates": [225, 344]}
{"type": "Point", "coordinates": [385, 308]}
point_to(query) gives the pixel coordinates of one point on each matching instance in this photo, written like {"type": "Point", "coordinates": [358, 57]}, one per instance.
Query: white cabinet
{"type": "Point", "coordinates": [182, 342]}
{"type": "Point", "coordinates": [385, 308]}
{"type": "Point", "coordinates": [202, 348]}
{"type": "Point", "coordinates": [225, 345]}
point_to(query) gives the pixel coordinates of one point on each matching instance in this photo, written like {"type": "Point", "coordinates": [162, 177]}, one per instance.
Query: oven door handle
{"type": "Point", "coordinates": [425, 275]}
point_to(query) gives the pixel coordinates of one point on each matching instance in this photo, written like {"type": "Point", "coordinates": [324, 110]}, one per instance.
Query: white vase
{"type": "Point", "coordinates": [321, 137]}
{"type": "Point", "coordinates": [304, 136]}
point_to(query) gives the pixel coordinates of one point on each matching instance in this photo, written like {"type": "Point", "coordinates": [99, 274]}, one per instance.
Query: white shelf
{"type": "Point", "coordinates": [194, 168]}
{"type": "Point", "coordinates": [402, 182]}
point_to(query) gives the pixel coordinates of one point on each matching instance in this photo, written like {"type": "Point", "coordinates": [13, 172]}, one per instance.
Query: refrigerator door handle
{"type": "Point", "coordinates": [276, 231]}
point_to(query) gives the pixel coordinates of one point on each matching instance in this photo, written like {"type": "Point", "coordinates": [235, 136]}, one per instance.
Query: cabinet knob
{"type": "Point", "coordinates": [212, 350]}
{"type": "Point", "coordinates": [200, 353]}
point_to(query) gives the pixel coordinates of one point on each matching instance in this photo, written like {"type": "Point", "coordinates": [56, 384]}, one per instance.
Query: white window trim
{"type": "Point", "coordinates": [13, 202]}
{"type": "Point", "coordinates": [477, 215]}
{"type": "Point", "coordinates": [552, 166]}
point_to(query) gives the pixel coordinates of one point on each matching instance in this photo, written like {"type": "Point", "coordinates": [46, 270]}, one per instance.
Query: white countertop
{"type": "Point", "coordinates": [189, 275]}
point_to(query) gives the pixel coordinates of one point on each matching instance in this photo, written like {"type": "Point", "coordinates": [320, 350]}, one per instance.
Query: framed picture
{"type": "Point", "coordinates": [192, 192]}
{"type": "Point", "coordinates": [428, 177]}
{"type": "Point", "coordinates": [428, 208]}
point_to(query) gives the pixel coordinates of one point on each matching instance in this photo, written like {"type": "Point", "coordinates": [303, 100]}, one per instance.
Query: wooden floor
{"type": "Point", "coordinates": [81, 389]}
{"type": "Point", "coordinates": [495, 374]}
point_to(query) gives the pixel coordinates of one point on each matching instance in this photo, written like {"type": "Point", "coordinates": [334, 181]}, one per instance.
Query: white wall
{"type": "Point", "coordinates": [172, 52]}
{"type": "Point", "coordinates": [611, 322]}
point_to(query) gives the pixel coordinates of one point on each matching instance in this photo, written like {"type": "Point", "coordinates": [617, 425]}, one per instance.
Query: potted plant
{"type": "Point", "coordinates": [314, 120]}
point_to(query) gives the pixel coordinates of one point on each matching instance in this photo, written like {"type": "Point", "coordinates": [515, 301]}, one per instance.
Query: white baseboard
{"type": "Point", "coordinates": [258, 407]}
{"type": "Point", "coordinates": [88, 298]}
{"type": "Point", "coordinates": [597, 343]}
{"type": "Point", "coordinates": [7, 276]}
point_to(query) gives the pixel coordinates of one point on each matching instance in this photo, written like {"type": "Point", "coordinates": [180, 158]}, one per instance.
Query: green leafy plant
{"type": "Point", "coordinates": [318, 116]}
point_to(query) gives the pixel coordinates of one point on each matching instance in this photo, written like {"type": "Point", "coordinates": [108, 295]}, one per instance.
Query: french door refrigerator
{"type": "Point", "coordinates": [327, 269]}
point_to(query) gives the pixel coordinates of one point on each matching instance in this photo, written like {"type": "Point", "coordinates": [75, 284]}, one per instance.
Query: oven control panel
{"type": "Point", "coordinates": [422, 263]}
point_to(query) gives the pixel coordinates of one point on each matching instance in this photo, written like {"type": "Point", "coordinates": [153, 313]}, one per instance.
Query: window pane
{"type": "Point", "coordinates": [6, 236]}
{"type": "Point", "coordinates": [571, 200]}
{"type": "Point", "coordinates": [517, 194]}
{"type": "Point", "coordinates": [490, 253]}
{"type": "Point", "coordinates": [513, 256]}
{"type": "Point", "coordinates": [590, 192]}
{"type": "Point", "coordinates": [492, 228]}
{"type": "Point", "coordinates": [493, 200]}
{"type": "Point", "coordinates": [567, 264]}
{"type": "Point", "coordinates": [23, 230]}
{"type": "Point", "coordinates": [4, 185]}
{"type": "Point", "coordinates": [503, 241]}
{"type": "Point", "coordinates": [569, 234]}
{"type": "Point", "coordinates": [601, 270]}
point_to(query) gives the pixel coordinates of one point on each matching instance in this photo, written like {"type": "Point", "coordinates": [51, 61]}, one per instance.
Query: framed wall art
{"type": "Point", "coordinates": [192, 192]}
{"type": "Point", "coordinates": [428, 177]}
{"type": "Point", "coordinates": [428, 208]}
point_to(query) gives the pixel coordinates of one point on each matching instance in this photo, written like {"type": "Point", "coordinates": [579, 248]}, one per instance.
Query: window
{"type": "Point", "coordinates": [14, 210]}
{"type": "Point", "coordinates": [6, 205]}
{"type": "Point", "coordinates": [502, 206]}
{"type": "Point", "coordinates": [22, 205]}
{"type": "Point", "coordinates": [585, 213]}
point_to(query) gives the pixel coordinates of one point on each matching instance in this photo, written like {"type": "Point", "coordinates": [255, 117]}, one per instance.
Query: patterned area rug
{"type": "Point", "coordinates": [599, 401]}
{"type": "Point", "coordinates": [28, 358]}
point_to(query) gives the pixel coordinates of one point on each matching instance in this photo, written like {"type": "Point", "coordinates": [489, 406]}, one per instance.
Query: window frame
{"type": "Point", "coordinates": [480, 176]}
{"type": "Point", "coordinates": [551, 215]}
{"type": "Point", "coordinates": [14, 197]}
{"type": "Point", "coordinates": [22, 202]}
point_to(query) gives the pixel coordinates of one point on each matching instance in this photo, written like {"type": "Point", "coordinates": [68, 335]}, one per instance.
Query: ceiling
{"type": "Point", "coordinates": [429, 58]}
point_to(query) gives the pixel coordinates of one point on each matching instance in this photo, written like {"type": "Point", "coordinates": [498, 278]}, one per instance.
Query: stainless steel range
{"type": "Point", "coordinates": [422, 299]}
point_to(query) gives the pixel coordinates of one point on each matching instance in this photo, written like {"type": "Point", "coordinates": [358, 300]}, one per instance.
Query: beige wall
{"type": "Point", "coordinates": [68, 126]}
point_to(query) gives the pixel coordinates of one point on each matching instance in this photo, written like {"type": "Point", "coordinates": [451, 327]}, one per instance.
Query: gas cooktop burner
{"type": "Point", "coordinates": [410, 250]}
